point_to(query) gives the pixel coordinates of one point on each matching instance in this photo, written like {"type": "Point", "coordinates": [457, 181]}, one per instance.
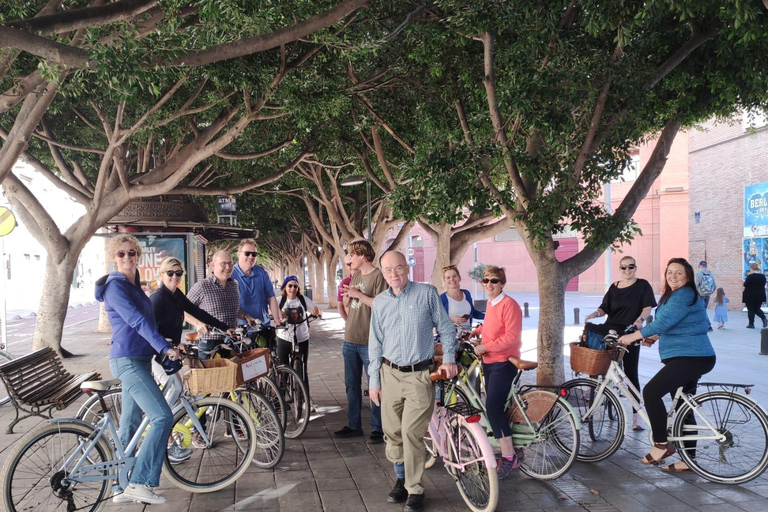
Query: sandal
{"type": "Point", "coordinates": [673, 468]}
{"type": "Point", "coordinates": [669, 449]}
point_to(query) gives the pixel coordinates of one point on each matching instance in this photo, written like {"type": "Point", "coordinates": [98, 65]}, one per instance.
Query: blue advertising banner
{"type": "Point", "coordinates": [756, 210]}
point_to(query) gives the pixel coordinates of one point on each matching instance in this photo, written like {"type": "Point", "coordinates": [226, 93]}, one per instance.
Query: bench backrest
{"type": "Point", "coordinates": [26, 376]}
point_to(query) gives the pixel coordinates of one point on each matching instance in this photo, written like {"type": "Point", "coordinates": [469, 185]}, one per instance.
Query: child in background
{"type": "Point", "coordinates": [721, 310]}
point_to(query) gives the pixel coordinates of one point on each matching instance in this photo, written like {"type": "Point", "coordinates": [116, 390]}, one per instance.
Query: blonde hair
{"type": "Point", "coordinates": [118, 240]}
{"type": "Point", "coordinates": [494, 271]}
{"type": "Point", "coordinates": [169, 262]}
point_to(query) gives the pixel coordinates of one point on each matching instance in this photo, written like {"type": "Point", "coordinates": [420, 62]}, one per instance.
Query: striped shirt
{"type": "Point", "coordinates": [401, 328]}
{"type": "Point", "coordinates": [221, 302]}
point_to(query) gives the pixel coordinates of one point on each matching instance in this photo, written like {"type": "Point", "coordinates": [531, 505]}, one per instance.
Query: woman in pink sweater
{"type": "Point", "coordinates": [501, 339]}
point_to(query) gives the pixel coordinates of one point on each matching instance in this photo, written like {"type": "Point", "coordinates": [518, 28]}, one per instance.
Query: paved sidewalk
{"type": "Point", "coordinates": [319, 472]}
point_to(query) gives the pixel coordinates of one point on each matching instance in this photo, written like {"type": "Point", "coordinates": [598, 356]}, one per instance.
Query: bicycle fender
{"type": "Point", "coordinates": [82, 423]}
{"type": "Point", "coordinates": [485, 444]}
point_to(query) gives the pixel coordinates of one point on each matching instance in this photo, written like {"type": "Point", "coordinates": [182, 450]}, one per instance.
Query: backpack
{"type": "Point", "coordinates": [706, 284]}
{"type": "Point", "coordinates": [294, 316]}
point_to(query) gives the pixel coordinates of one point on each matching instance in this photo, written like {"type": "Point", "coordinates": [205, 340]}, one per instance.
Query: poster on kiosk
{"type": "Point", "coordinates": [755, 245]}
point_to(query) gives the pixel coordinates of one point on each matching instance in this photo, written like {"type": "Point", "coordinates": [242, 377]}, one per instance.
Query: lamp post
{"type": "Point", "coordinates": [353, 181]}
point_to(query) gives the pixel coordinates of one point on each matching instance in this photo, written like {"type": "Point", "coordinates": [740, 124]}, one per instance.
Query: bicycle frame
{"type": "Point", "coordinates": [440, 435]}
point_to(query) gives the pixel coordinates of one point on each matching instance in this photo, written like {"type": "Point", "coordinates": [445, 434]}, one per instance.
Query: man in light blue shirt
{"type": "Point", "coordinates": [257, 294]}
{"type": "Point", "coordinates": [401, 348]}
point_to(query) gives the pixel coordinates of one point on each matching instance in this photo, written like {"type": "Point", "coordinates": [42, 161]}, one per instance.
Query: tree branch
{"type": "Point", "coordinates": [87, 17]}
{"type": "Point", "coordinates": [50, 50]}
{"type": "Point", "coordinates": [251, 156]}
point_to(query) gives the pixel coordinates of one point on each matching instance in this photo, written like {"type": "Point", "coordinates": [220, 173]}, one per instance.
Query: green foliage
{"type": "Point", "coordinates": [476, 274]}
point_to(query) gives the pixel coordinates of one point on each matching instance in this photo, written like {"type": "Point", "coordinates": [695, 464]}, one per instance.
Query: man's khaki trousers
{"type": "Point", "coordinates": [407, 402]}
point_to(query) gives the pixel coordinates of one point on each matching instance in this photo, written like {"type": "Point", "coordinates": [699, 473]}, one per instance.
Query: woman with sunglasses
{"type": "Point", "coordinates": [295, 329]}
{"type": "Point", "coordinates": [628, 302]}
{"type": "Point", "coordinates": [502, 338]}
{"type": "Point", "coordinates": [135, 341]}
{"type": "Point", "coordinates": [172, 307]}
{"type": "Point", "coordinates": [457, 301]}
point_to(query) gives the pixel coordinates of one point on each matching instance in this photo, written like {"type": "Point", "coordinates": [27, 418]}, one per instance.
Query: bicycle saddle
{"type": "Point", "coordinates": [523, 365]}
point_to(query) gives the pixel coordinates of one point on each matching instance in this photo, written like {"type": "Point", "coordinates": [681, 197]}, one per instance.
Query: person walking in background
{"type": "Point", "coordinates": [344, 283]}
{"type": "Point", "coordinates": [754, 295]}
{"type": "Point", "coordinates": [457, 301]}
{"type": "Point", "coordinates": [705, 285]}
{"type": "Point", "coordinates": [628, 302]}
{"type": "Point", "coordinates": [367, 282]}
{"type": "Point", "coordinates": [721, 310]}
{"type": "Point", "coordinates": [401, 350]}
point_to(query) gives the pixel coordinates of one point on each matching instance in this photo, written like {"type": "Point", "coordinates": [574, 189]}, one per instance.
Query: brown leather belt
{"type": "Point", "coordinates": [418, 367]}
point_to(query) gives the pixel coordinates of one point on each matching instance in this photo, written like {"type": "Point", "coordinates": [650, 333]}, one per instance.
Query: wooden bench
{"type": "Point", "coordinates": [38, 383]}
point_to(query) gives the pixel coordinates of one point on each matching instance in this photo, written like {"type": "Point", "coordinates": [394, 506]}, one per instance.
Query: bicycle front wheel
{"type": "Point", "coordinates": [270, 442]}
{"type": "Point", "coordinates": [603, 431]}
{"type": "Point", "coordinates": [296, 398]}
{"type": "Point", "coordinates": [34, 476]}
{"type": "Point", "coordinates": [269, 390]}
{"type": "Point", "coordinates": [741, 455]}
{"type": "Point", "coordinates": [224, 458]}
{"type": "Point", "coordinates": [478, 484]}
{"type": "Point", "coordinates": [4, 396]}
{"type": "Point", "coordinates": [555, 444]}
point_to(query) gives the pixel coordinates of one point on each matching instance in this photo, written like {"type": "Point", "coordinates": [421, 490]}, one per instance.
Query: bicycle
{"type": "Point", "coordinates": [5, 357]}
{"type": "Point", "coordinates": [455, 434]}
{"type": "Point", "coordinates": [68, 463]}
{"type": "Point", "coordinates": [545, 428]}
{"type": "Point", "coordinates": [270, 441]}
{"type": "Point", "coordinates": [289, 383]}
{"type": "Point", "coordinates": [728, 443]}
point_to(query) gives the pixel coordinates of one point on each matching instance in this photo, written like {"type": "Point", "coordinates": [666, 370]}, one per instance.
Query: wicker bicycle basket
{"type": "Point", "coordinates": [590, 361]}
{"type": "Point", "coordinates": [212, 376]}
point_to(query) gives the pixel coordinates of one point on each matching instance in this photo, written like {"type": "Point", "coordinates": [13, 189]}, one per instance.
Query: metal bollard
{"type": "Point", "coordinates": [764, 342]}
{"type": "Point", "coordinates": [525, 310]}
{"type": "Point", "coordinates": [576, 316]}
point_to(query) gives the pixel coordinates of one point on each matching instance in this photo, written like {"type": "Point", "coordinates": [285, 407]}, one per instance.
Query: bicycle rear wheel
{"type": "Point", "coordinates": [269, 390]}
{"type": "Point", "coordinates": [4, 396]}
{"type": "Point", "coordinates": [296, 398]}
{"type": "Point", "coordinates": [600, 435]}
{"type": "Point", "coordinates": [33, 478]}
{"type": "Point", "coordinates": [270, 442]}
{"type": "Point", "coordinates": [478, 484]}
{"type": "Point", "coordinates": [225, 458]}
{"type": "Point", "coordinates": [743, 453]}
{"type": "Point", "coordinates": [555, 444]}
{"type": "Point", "coordinates": [90, 411]}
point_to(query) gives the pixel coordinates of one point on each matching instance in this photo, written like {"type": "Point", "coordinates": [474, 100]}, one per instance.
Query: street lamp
{"type": "Point", "coordinates": [353, 181]}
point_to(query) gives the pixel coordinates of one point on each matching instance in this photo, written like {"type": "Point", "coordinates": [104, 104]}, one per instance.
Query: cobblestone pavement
{"type": "Point", "coordinates": [319, 472]}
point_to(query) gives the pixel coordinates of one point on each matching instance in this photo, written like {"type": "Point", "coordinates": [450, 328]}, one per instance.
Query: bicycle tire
{"type": "Point", "coordinates": [25, 488]}
{"type": "Point", "coordinates": [600, 437]}
{"type": "Point", "coordinates": [478, 484]}
{"type": "Point", "coordinates": [267, 388]}
{"type": "Point", "coordinates": [5, 397]}
{"type": "Point", "coordinates": [555, 446]}
{"type": "Point", "coordinates": [270, 441]}
{"type": "Point", "coordinates": [296, 397]}
{"type": "Point", "coordinates": [743, 456]}
{"type": "Point", "coordinates": [223, 461]}
{"type": "Point", "coordinates": [90, 411]}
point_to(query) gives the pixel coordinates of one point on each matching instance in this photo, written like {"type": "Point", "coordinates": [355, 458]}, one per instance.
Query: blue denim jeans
{"type": "Point", "coordinates": [355, 361]}
{"type": "Point", "coordinates": [142, 395]}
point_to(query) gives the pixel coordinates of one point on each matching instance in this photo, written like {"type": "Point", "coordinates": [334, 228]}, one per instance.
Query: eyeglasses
{"type": "Point", "coordinates": [226, 264]}
{"type": "Point", "coordinates": [130, 252]}
{"type": "Point", "coordinates": [399, 269]}
{"type": "Point", "coordinates": [292, 286]}
{"type": "Point", "coordinates": [177, 273]}
{"type": "Point", "coordinates": [250, 254]}
{"type": "Point", "coordinates": [630, 267]}
{"type": "Point", "coordinates": [493, 280]}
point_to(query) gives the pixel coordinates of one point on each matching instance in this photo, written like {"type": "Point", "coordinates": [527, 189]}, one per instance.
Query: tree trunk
{"type": "Point", "coordinates": [331, 263]}
{"type": "Point", "coordinates": [551, 321]}
{"type": "Point", "coordinates": [318, 278]}
{"type": "Point", "coordinates": [54, 302]}
{"type": "Point", "coordinates": [444, 253]}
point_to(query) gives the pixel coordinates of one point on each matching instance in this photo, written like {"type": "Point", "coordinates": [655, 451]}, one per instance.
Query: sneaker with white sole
{"type": "Point", "coordinates": [119, 498]}
{"type": "Point", "coordinates": [143, 494]}
{"type": "Point", "coordinates": [177, 454]}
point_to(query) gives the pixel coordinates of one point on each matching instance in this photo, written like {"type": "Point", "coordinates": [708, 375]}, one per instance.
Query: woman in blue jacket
{"type": "Point", "coordinates": [681, 327]}
{"type": "Point", "coordinates": [457, 302]}
{"type": "Point", "coordinates": [135, 341]}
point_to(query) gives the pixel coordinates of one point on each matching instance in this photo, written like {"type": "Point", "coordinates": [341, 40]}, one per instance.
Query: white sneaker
{"type": "Point", "coordinates": [121, 499]}
{"type": "Point", "coordinates": [177, 454]}
{"type": "Point", "coordinates": [143, 494]}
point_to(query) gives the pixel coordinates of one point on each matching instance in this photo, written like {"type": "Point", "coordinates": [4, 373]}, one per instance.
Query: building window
{"type": "Point", "coordinates": [697, 217]}
{"type": "Point", "coordinates": [417, 241]}
{"type": "Point", "coordinates": [26, 257]}
{"type": "Point", "coordinates": [632, 170]}
{"type": "Point", "coordinates": [37, 257]}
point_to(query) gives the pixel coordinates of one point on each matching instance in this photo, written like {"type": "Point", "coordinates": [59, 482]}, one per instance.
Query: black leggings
{"type": "Point", "coordinates": [753, 308]}
{"type": "Point", "coordinates": [284, 350]}
{"type": "Point", "coordinates": [630, 363]}
{"type": "Point", "coordinates": [677, 371]}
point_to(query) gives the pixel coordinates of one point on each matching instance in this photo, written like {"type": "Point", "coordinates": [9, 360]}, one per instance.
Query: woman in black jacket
{"type": "Point", "coordinates": [754, 295]}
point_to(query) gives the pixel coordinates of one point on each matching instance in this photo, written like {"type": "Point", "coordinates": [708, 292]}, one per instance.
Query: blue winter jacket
{"type": "Point", "coordinates": [479, 315]}
{"type": "Point", "coordinates": [134, 331]}
{"type": "Point", "coordinates": [682, 328]}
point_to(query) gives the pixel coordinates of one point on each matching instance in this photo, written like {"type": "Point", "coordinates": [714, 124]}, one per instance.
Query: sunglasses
{"type": "Point", "coordinates": [630, 267]}
{"type": "Point", "coordinates": [292, 286]}
{"type": "Point", "coordinates": [250, 254]}
{"type": "Point", "coordinates": [129, 252]}
{"type": "Point", "coordinates": [492, 280]}
{"type": "Point", "coordinates": [177, 273]}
